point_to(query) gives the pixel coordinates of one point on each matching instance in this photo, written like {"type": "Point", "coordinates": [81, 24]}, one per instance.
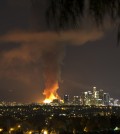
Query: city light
{"type": "Point", "coordinates": [11, 129]}
{"type": "Point", "coordinates": [1, 129]}
{"type": "Point", "coordinates": [44, 131]}
{"type": "Point", "coordinates": [19, 126]}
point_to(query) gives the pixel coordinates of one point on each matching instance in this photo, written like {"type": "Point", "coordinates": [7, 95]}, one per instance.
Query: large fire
{"type": "Point", "coordinates": [51, 59]}
{"type": "Point", "coordinates": [51, 93]}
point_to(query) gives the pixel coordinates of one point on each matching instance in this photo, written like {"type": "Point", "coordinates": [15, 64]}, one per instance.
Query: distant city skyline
{"type": "Point", "coordinates": [94, 97]}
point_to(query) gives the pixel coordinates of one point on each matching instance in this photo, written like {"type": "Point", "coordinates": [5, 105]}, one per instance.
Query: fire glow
{"type": "Point", "coordinates": [51, 93]}
{"type": "Point", "coordinates": [52, 58]}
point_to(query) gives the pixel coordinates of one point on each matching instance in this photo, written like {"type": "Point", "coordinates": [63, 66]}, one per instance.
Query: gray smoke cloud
{"type": "Point", "coordinates": [45, 48]}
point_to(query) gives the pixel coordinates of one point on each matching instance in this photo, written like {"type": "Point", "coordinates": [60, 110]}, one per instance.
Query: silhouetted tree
{"type": "Point", "coordinates": [65, 14]}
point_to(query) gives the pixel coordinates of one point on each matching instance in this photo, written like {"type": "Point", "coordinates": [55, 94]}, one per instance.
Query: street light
{"type": "Point", "coordinates": [30, 132]}
{"type": "Point", "coordinates": [45, 132]}
{"type": "Point", "coordinates": [11, 129]}
{"type": "Point", "coordinates": [1, 129]}
{"type": "Point", "coordinates": [19, 126]}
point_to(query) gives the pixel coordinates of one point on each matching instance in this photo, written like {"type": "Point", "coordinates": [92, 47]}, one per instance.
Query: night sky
{"type": "Point", "coordinates": [90, 55]}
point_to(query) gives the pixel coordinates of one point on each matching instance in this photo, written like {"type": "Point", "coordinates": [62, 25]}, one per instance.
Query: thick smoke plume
{"type": "Point", "coordinates": [46, 48]}
{"type": "Point", "coordinates": [52, 59]}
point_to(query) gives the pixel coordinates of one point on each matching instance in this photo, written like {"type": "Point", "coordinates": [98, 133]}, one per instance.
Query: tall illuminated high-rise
{"type": "Point", "coordinates": [106, 98]}
{"type": "Point", "coordinates": [101, 94]}
{"type": "Point", "coordinates": [84, 98]}
{"type": "Point", "coordinates": [66, 99]}
{"type": "Point", "coordinates": [94, 90]}
{"type": "Point", "coordinates": [76, 100]}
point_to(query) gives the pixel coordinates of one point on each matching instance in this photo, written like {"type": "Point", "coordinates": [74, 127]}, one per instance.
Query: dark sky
{"type": "Point", "coordinates": [91, 55]}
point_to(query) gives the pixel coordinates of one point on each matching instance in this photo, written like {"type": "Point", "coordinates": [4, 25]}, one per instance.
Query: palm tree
{"type": "Point", "coordinates": [65, 12]}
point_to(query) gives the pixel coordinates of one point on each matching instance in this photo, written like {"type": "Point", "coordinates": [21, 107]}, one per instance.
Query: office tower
{"type": "Point", "coordinates": [101, 94]}
{"type": "Point", "coordinates": [116, 102]}
{"type": "Point", "coordinates": [94, 90]}
{"type": "Point", "coordinates": [81, 102]}
{"type": "Point", "coordinates": [90, 95]}
{"type": "Point", "coordinates": [96, 94]}
{"type": "Point", "coordinates": [111, 101]}
{"type": "Point", "coordinates": [76, 100]}
{"type": "Point", "coordinates": [84, 98]}
{"type": "Point", "coordinates": [106, 98]}
{"type": "Point", "coordinates": [66, 99]}
{"type": "Point", "coordinates": [89, 98]}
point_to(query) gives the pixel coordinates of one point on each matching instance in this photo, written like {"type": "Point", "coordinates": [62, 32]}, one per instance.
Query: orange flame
{"type": "Point", "coordinates": [51, 93]}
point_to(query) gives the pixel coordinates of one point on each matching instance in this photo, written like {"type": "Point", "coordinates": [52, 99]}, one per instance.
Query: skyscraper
{"type": "Point", "coordinates": [96, 94]}
{"type": "Point", "coordinates": [101, 94]}
{"type": "Point", "coordinates": [94, 90]}
{"type": "Point", "coordinates": [106, 98]}
{"type": "Point", "coordinates": [66, 99]}
{"type": "Point", "coordinates": [84, 98]}
{"type": "Point", "coordinates": [76, 100]}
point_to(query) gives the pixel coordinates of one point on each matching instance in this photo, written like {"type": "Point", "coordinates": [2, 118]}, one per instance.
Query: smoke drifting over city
{"type": "Point", "coordinates": [46, 48]}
